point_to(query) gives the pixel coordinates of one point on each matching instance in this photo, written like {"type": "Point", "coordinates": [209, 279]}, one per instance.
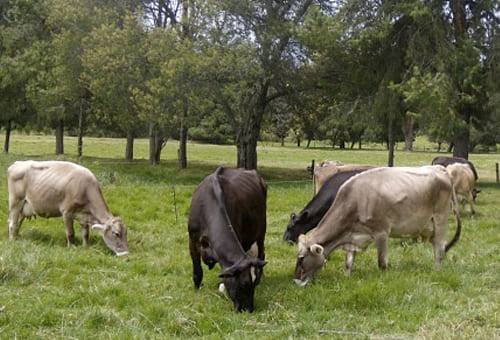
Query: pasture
{"type": "Point", "coordinates": [50, 291]}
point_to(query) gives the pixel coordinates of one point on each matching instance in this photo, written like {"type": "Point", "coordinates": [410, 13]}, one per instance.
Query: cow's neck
{"type": "Point", "coordinates": [98, 208]}
{"type": "Point", "coordinates": [329, 232]}
{"type": "Point", "coordinates": [223, 239]}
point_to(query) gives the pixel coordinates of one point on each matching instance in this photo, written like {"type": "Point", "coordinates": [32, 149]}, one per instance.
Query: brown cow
{"type": "Point", "coordinates": [226, 223]}
{"type": "Point", "coordinates": [56, 188]}
{"type": "Point", "coordinates": [378, 204]}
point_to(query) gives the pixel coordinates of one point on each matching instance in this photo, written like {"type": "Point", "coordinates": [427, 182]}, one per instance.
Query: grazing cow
{"type": "Point", "coordinates": [329, 168]}
{"type": "Point", "coordinates": [378, 204]}
{"type": "Point", "coordinates": [445, 161]}
{"type": "Point", "coordinates": [227, 220]}
{"type": "Point", "coordinates": [56, 188]}
{"type": "Point", "coordinates": [463, 181]}
{"type": "Point", "coordinates": [314, 211]}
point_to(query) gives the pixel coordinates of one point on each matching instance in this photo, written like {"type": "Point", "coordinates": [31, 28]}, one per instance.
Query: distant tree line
{"type": "Point", "coordinates": [232, 71]}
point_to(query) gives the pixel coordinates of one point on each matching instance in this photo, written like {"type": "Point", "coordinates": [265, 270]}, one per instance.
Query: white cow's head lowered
{"type": "Point", "coordinates": [114, 233]}
{"type": "Point", "coordinates": [310, 259]}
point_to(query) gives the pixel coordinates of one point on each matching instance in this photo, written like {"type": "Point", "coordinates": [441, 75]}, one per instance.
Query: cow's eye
{"type": "Point", "coordinates": [116, 233]}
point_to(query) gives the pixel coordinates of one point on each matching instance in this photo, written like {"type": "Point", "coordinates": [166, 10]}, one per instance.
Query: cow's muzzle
{"type": "Point", "coordinates": [301, 283]}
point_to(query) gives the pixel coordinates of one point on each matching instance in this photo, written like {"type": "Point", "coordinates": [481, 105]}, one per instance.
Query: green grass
{"type": "Point", "coordinates": [50, 291]}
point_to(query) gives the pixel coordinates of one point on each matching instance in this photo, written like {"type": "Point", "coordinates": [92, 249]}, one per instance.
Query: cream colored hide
{"type": "Point", "coordinates": [56, 188]}
{"type": "Point", "coordinates": [463, 182]}
{"type": "Point", "coordinates": [378, 204]}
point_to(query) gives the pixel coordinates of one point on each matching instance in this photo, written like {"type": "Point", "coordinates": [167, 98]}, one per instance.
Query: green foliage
{"type": "Point", "coordinates": [114, 69]}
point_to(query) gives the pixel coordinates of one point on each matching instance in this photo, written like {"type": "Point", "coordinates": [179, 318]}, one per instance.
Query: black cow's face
{"type": "Point", "coordinates": [294, 228]}
{"type": "Point", "coordinates": [310, 260]}
{"type": "Point", "coordinates": [240, 281]}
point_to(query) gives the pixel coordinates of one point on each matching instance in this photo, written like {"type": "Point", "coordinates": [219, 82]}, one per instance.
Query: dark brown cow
{"type": "Point", "coordinates": [227, 220]}
{"type": "Point", "coordinates": [314, 211]}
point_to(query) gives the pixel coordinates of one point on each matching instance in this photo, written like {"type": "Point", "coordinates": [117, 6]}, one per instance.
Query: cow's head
{"type": "Point", "coordinates": [475, 191]}
{"type": "Point", "coordinates": [295, 227]}
{"type": "Point", "coordinates": [310, 259]}
{"type": "Point", "coordinates": [114, 233]}
{"type": "Point", "coordinates": [240, 281]}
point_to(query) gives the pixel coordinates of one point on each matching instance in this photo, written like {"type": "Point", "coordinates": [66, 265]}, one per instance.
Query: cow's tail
{"type": "Point", "coordinates": [457, 217]}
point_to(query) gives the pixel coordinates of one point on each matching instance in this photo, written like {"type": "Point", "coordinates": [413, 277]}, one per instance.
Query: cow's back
{"type": "Point", "coordinates": [446, 161]}
{"type": "Point", "coordinates": [245, 196]}
{"type": "Point", "coordinates": [393, 197]}
{"type": "Point", "coordinates": [48, 185]}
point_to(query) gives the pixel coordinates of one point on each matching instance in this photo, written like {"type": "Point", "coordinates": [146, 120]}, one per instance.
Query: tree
{"type": "Point", "coordinates": [263, 31]}
{"type": "Point", "coordinates": [20, 27]}
{"type": "Point", "coordinates": [114, 69]}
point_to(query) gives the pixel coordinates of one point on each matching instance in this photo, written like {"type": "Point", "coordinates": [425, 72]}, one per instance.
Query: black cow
{"type": "Point", "coordinates": [314, 211]}
{"type": "Point", "coordinates": [445, 161]}
{"type": "Point", "coordinates": [227, 220]}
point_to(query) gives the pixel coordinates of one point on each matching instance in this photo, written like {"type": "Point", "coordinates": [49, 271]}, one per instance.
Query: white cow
{"type": "Point", "coordinates": [378, 204]}
{"type": "Point", "coordinates": [56, 188]}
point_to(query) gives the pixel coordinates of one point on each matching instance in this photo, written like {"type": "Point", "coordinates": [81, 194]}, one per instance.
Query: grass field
{"type": "Point", "coordinates": [50, 291]}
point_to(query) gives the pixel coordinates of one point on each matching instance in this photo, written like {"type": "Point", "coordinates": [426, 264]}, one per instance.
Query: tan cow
{"type": "Point", "coordinates": [463, 180]}
{"type": "Point", "coordinates": [378, 204]}
{"type": "Point", "coordinates": [56, 188]}
{"type": "Point", "coordinates": [326, 169]}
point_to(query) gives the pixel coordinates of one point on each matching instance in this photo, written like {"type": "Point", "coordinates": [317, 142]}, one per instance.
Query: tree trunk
{"type": "Point", "coordinates": [308, 143]}
{"type": "Point", "coordinates": [390, 143]}
{"type": "Point", "coordinates": [129, 149]}
{"type": "Point", "coordinates": [461, 144]}
{"type": "Point", "coordinates": [450, 147]}
{"type": "Point", "coordinates": [408, 125]}
{"type": "Point", "coordinates": [342, 144]}
{"type": "Point", "coordinates": [248, 136]}
{"type": "Point", "coordinates": [298, 142]}
{"type": "Point", "coordinates": [247, 149]}
{"type": "Point", "coordinates": [8, 129]}
{"type": "Point", "coordinates": [439, 146]}
{"type": "Point", "coordinates": [80, 132]}
{"type": "Point", "coordinates": [156, 143]}
{"type": "Point", "coordinates": [282, 141]}
{"type": "Point", "coordinates": [183, 132]}
{"type": "Point", "coordinates": [359, 144]}
{"type": "Point", "coordinates": [60, 137]}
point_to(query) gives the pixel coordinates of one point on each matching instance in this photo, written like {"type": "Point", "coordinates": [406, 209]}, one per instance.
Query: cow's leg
{"type": "Point", "coordinates": [439, 238]}
{"type": "Point", "coordinates": [262, 256]}
{"type": "Point", "coordinates": [381, 242]}
{"type": "Point", "coordinates": [349, 261]}
{"type": "Point", "coordinates": [470, 200]}
{"type": "Point", "coordinates": [15, 218]}
{"type": "Point", "coordinates": [85, 234]}
{"type": "Point", "coordinates": [70, 231]}
{"type": "Point", "coordinates": [194, 250]}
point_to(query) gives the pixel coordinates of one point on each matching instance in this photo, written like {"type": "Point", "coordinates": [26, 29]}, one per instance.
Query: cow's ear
{"type": "Point", "coordinates": [293, 217]}
{"type": "Point", "coordinates": [316, 249]}
{"type": "Point", "coordinates": [99, 227]}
